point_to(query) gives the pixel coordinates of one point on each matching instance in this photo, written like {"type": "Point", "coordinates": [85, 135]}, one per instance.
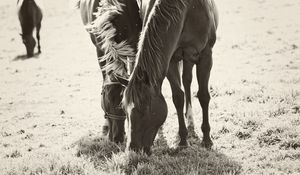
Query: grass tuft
{"type": "Point", "coordinates": [284, 137]}
{"type": "Point", "coordinates": [290, 144]}
{"type": "Point", "coordinates": [224, 130]}
{"type": "Point", "coordinates": [270, 137]}
{"type": "Point", "coordinates": [252, 125]}
{"type": "Point", "coordinates": [243, 135]}
{"type": "Point", "coordinates": [14, 154]}
{"type": "Point", "coordinates": [97, 149]}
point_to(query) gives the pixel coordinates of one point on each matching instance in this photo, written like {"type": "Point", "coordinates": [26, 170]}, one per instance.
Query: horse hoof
{"type": "Point", "coordinates": [207, 144]}
{"type": "Point", "coordinates": [183, 144]}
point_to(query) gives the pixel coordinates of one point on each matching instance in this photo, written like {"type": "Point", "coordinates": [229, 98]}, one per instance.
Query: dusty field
{"type": "Point", "coordinates": [49, 102]}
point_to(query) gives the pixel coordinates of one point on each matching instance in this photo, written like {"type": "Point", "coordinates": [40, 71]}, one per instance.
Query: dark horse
{"type": "Point", "coordinates": [30, 16]}
{"type": "Point", "coordinates": [114, 27]}
{"type": "Point", "coordinates": [173, 30]}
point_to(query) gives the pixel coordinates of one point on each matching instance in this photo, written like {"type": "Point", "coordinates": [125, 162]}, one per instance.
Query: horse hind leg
{"type": "Point", "coordinates": [38, 27]}
{"type": "Point", "coordinates": [178, 99]}
{"type": "Point", "coordinates": [203, 74]}
{"type": "Point", "coordinates": [187, 77]}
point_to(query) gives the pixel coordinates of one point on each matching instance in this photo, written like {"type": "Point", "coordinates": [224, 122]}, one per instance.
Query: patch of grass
{"type": "Point", "coordinates": [217, 92]}
{"type": "Point", "coordinates": [224, 130]}
{"type": "Point", "coordinates": [285, 138]}
{"type": "Point", "coordinates": [243, 134]}
{"type": "Point", "coordinates": [295, 122]}
{"type": "Point", "coordinates": [289, 155]}
{"type": "Point", "coordinates": [290, 143]}
{"type": "Point", "coordinates": [278, 112]}
{"type": "Point", "coordinates": [97, 148]}
{"type": "Point", "coordinates": [48, 163]}
{"type": "Point", "coordinates": [270, 137]}
{"type": "Point", "coordinates": [193, 160]}
{"type": "Point", "coordinates": [14, 154]}
{"type": "Point", "coordinates": [164, 160]}
{"type": "Point", "coordinates": [252, 125]}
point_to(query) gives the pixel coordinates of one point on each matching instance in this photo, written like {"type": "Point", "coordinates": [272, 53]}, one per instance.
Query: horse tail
{"type": "Point", "coordinates": [74, 4]}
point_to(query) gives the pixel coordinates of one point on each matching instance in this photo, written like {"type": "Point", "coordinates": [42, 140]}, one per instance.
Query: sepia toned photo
{"type": "Point", "coordinates": [149, 87]}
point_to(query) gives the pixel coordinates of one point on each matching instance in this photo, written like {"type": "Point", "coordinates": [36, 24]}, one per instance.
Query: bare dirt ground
{"type": "Point", "coordinates": [49, 102]}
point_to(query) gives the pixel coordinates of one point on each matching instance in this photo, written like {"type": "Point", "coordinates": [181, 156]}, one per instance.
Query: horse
{"type": "Point", "coordinates": [114, 27]}
{"type": "Point", "coordinates": [30, 15]}
{"type": "Point", "coordinates": [173, 30]}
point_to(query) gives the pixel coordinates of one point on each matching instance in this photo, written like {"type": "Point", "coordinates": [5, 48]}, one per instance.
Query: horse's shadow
{"type": "Point", "coordinates": [24, 57]}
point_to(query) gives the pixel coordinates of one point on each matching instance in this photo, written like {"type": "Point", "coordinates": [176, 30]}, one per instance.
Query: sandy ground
{"type": "Point", "coordinates": [50, 101]}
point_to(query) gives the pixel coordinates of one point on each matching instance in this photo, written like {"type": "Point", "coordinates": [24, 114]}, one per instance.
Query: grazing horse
{"type": "Point", "coordinates": [173, 30]}
{"type": "Point", "coordinates": [114, 27]}
{"type": "Point", "coordinates": [30, 16]}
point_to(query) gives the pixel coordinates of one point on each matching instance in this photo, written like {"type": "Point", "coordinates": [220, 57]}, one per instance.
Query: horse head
{"type": "Point", "coordinates": [146, 110]}
{"type": "Point", "coordinates": [29, 43]}
{"type": "Point", "coordinates": [114, 27]}
{"type": "Point", "coordinates": [111, 104]}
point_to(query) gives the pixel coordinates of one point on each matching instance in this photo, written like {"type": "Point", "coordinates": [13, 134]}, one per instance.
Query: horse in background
{"type": "Point", "coordinates": [30, 15]}
{"type": "Point", "coordinates": [173, 30]}
{"type": "Point", "coordinates": [114, 27]}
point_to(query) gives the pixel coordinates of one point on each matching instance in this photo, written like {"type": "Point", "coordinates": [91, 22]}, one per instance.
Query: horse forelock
{"type": "Point", "coordinates": [116, 55]}
{"type": "Point", "coordinates": [150, 61]}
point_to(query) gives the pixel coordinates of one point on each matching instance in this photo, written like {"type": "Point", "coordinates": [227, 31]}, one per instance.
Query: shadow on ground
{"type": "Point", "coordinates": [25, 57]}
{"type": "Point", "coordinates": [111, 158]}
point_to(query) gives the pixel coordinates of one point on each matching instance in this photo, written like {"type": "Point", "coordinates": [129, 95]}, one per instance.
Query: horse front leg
{"type": "Point", "coordinates": [38, 28]}
{"type": "Point", "coordinates": [187, 77]}
{"type": "Point", "coordinates": [178, 99]}
{"type": "Point", "coordinates": [203, 73]}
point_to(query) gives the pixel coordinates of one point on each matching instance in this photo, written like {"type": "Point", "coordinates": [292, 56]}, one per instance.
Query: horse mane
{"type": "Point", "coordinates": [116, 55]}
{"type": "Point", "coordinates": [150, 64]}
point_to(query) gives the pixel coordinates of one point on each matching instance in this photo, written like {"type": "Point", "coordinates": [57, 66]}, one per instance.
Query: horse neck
{"type": "Point", "coordinates": [157, 43]}
{"type": "Point", "coordinates": [145, 8]}
{"type": "Point", "coordinates": [159, 39]}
